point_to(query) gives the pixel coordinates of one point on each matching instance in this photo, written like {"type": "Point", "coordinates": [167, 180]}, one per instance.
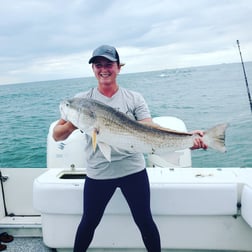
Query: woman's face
{"type": "Point", "coordinates": [105, 70]}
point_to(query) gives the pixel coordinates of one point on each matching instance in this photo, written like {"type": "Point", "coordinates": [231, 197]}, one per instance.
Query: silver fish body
{"type": "Point", "coordinates": [108, 126]}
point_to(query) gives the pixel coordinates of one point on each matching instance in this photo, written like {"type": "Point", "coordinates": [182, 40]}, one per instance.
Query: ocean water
{"type": "Point", "coordinates": [200, 96]}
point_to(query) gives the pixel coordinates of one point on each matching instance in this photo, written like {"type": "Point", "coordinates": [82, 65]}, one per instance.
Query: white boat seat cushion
{"type": "Point", "coordinates": [166, 199]}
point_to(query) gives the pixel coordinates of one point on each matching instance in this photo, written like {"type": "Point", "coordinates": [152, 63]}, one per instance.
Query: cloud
{"type": "Point", "coordinates": [44, 39]}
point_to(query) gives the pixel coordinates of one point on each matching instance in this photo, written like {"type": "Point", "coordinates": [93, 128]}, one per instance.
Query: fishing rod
{"type": "Point", "coordinates": [245, 76]}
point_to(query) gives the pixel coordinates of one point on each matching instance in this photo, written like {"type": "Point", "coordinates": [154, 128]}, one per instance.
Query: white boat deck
{"type": "Point", "coordinates": [35, 244]}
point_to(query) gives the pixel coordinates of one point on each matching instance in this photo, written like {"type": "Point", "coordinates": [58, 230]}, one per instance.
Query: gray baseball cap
{"type": "Point", "coordinates": [106, 51]}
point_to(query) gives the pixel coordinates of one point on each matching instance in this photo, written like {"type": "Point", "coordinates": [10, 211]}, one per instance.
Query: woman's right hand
{"type": "Point", "coordinates": [62, 130]}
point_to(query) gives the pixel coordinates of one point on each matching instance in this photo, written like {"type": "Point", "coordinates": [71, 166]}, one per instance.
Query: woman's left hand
{"type": "Point", "coordinates": [198, 142]}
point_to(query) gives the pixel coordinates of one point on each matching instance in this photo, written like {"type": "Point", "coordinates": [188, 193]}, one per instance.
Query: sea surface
{"type": "Point", "coordinates": [200, 96]}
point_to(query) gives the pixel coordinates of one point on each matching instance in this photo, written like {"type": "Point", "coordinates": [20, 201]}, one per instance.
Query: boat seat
{"type": "Point", "coordinates": [65, 197]}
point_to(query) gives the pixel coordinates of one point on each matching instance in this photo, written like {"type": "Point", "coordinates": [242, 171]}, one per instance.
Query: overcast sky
{"type": "Point", "coordinates": [53, 39]}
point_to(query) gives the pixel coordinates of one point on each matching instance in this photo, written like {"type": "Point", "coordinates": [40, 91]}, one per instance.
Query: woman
{"type": "Point", "coordinates": [126, 170]}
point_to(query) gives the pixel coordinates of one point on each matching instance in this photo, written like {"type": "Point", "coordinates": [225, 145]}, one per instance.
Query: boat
{"type": "Point", "coordinates": [195, 209]}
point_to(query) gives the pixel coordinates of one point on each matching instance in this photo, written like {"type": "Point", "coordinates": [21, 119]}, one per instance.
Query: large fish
{"type": "Point", "coordinates": [109, 127]}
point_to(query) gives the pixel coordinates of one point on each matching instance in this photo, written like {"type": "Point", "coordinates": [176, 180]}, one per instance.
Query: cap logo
{"type": "Point", "coordinates": [109, 51]}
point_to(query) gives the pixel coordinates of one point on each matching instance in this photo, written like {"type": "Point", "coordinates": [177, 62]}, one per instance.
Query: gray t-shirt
{"type": "Point", "coordinates": [122, 163]}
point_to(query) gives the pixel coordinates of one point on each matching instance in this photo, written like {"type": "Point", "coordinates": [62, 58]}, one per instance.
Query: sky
{"type": "Point", "coordinates": [54, 39]}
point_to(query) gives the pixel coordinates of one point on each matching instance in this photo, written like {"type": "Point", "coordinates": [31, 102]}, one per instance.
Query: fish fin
{"type": "Point", "coordinates": [215, 137]}
{"type": "Point", "coordinates": [94, 139]}
{"type": "Point", "coordinates": [157, 126]}
{"type": "Point", "coordinates": [106, 150]}
{"type": "Point", "coordinates": [169, 159]}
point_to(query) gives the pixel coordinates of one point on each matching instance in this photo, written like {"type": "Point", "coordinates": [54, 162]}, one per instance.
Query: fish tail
{"type": "Point", "coordinates": [215, 137]}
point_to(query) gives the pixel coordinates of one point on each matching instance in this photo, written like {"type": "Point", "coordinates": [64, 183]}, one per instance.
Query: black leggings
{"type": "Point", "coordinates": [97, 194]}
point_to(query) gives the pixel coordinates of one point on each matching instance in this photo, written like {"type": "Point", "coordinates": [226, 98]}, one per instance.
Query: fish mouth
{"type": "Point", "coordinates": [62, 105]}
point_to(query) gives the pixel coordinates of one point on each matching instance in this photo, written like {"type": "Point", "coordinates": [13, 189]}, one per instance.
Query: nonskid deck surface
{"type": "Point", "coordinates": [27, 244]}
